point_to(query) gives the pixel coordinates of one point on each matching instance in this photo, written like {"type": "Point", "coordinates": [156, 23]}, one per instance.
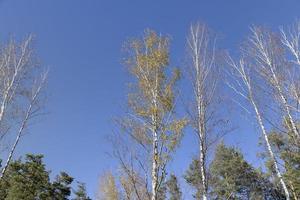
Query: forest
{"type": "Point", "coordinates": [205, 96]}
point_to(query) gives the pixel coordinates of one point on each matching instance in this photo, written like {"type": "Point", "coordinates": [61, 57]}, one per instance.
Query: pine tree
{"type": "Point", "coordinates": [61, 188]}
{"type": "Point", "coordinates": [173, 188]}
{"type": "Point", "coordinates": [80, 193]}
{"type": "Point", "coordinates": [29, 180]}
{"type": "Point", "coordinates": [26, 181]}
{"type": "Point", "coordinates": [162, 192]}
{"type": "Point", "coordinates": [193, 177]}
{"type": "Point", "coordinates": [288, 150]}
{"type": "Point", "coordinates": [234, 178]}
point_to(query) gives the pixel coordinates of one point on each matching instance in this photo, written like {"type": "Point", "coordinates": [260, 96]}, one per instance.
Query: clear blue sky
{"type": "Point", "coordinates": [80, 40]}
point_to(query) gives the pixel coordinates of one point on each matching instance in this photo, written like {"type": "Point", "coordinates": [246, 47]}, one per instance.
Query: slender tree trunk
{"type": "Point", "coordinates": [245, 74]}
{"type": "Point", "coordinates": [198, 39]}
{"type": "Point", "coordinates": [201, 129]}
{"type": "Point", "coordinates": [285, 104]}
{"type": "Point", "coordinates": [269, 148]}
{"type": "Point", "coordinates": [28, 114]}
{"type": "Point", "coordinates": [291, 120]}
{"type": "Point", "coordinates": [293, 191]}
{"type": "Point", "coordinates": [155, 144]}
{"type": "Point", "coordinates": [2, 111]}
{"type": "Point", "coordinates": [6, 96]}
{"type": "Point", "coordinates": [154, 166]}
{"type": "Point", "coordinates": [203, 174]}
{"type": "Point", "coordinates": [3, 105]}
{"type": "Point", "coordinates": [155, 158]}
{"type": "Point", "coordinates": [23, 125]}
{"type": "Point", "coordinates": [13, 80]}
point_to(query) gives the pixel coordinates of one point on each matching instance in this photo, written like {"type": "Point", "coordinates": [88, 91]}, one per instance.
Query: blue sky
{"type": "Point", "coordinates": [80, 41]}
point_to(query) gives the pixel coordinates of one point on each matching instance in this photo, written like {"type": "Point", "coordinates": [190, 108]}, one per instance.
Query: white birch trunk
{"type": "Point", "coordinates": [155, 158]}
{"type": "Point", "coordinates": [198, 39]}
{"type": "Point", "coordinates": [278, 173]}
{"type": "Point", "coordinates": [247, 94]}
{"type": "Point", "coordinates": [250, 97]}
{"type": "Point", "coordinates": [13, 78]}
{"type": "Point", "coordinates": [262, 44]}
{"type": "Point", "coordinates": [28, 114]}
{"type": "Point", "coordinates": [154, 167]}
{"type": "Point", "coordinates": [285, 104]}
{"type": "Point", "coordinates": [201, 129]}
{"type": "Point", "coordinates": [23, 126]}
{"type": "Point", "coordinates": [203, 174]}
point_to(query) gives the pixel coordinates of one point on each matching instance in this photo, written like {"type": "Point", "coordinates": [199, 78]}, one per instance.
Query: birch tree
{"type": "Point", "coordinates": [201, 45]}
{"type": "Point", "coordinates": [242, 85]}
{"type": "Point", "coordinates": [151, 118]}
{"type": "Point", "coordinates": [134, 165]}
{"type": "Point", "coordinates": [21, 84]}
{"type": "Point", "coordinates": [289, 153]}
{"type": "Point", "coordinates": [108, 189]}
{"type": "Point", "coordinates": [290, 38]}
{"type": "Point", "coordinates": [268, 55]}
{"type": "Point", "coordinates": [133, 187]}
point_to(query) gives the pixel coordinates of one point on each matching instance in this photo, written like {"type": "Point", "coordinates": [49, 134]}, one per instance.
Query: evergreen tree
{"type": "Point", "coordinates": [162, 192]}
{"type": "Point", "coordinates": [26, 181]}
{"type": "Point", "coordinates": [231, 177]}
{"type": "Point", "coordinates": [173, 188]}
{"type": "Point", "coordinates": [29, 179]}
{"type": "Point", "coordinates": [193, 177]}
{"type": "Point", "coordinates": [80, 193]}
{"type": "Point", "coordinates": [61, 188]}
{"type": "Point", "coordinates": [288, 150]}
{"type": "Point", "coordinates": [234, 178]}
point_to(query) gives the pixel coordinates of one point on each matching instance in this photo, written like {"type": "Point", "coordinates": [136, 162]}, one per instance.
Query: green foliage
{"type": "Point", "coordinates": [231, 177]}
{"type": "Point", "coordinates": [288, 150]}
{"type": "Point", "coordinates": [80, 193]}
{"type": "Point", "coordinates": [162, 192]}
{"type": "Point", "coordinates": [173, 188]}
{"type": "Point", "coordinates": [29, 179]}
{"type": "Point", "coordinates": [152, 122]}
{"type": "Point", "coordinates": [234, 178]}
{"type": "Point", "coordinates": [153, 95]}
{"type": "Point", "coordinates": [26, 181]}
{"type": "Point", "coordinates": [169, 189]}
{"type": "Point", "coordinates": [61, 189]}
{"type": "Point", "coordinates": [193, 177]}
